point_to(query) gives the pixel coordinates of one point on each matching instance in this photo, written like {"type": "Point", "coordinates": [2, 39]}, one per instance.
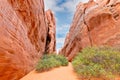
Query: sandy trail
{"type": "Point", "coordinates": [61, 73]}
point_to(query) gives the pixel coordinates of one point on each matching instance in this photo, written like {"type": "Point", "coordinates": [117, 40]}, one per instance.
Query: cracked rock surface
{"type": "Point", "coordinates": [94, 24]}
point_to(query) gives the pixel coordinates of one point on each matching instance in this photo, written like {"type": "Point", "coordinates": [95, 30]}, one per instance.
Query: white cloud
{"type": "Point", "coordinates": [61, 31]}
{"type": "Point", "coordinates": [60, 40]}
{"type": "Point", "coordinates": [52, 4]}
{"type": "Point", "coordinates": [63, 27]}
{"type": "Point", "coordinates": [69, 5]}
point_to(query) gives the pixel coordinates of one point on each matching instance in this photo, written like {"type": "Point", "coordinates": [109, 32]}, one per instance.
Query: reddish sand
{"type": "Point", "coordinates": [61, 73]}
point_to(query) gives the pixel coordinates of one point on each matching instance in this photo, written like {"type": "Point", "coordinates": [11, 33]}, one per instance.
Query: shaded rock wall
{"type": "Point", "coordinates": [94, 24]}
{"type": "Point", "coordinates": [51, 35]}
{"type": "Point", "coordinates": [23, 36]}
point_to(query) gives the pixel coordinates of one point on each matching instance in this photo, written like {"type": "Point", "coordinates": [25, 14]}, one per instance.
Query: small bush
{"type": "Point", "coordinates": [103, 62]}
{"type": "Point", "coordinates": [63, 61]}
{"type": "Point", "coordinates": [50, 61]}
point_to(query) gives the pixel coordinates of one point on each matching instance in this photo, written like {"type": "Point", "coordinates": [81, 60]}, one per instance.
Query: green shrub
{"type": "Point", "coordinates": [50, 61]}
{"type": "Point", "coordinates": [101, 62]}
{"type": "Point", "coordinates": [63, 61]}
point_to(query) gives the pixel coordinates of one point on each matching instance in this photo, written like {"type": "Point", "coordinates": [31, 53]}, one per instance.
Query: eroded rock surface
{"type": "Point", "coordinates": [94, 24]}
{"type": "Point", "coordinates": [23, 36]}
{"type": "Point", "coordinates": [51, 35]}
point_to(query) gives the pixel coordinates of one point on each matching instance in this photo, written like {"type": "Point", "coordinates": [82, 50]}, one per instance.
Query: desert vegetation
{"type": "Point", "coordinates": [97, 62]}
{"type": "Point", "coordinates": [50, 61]}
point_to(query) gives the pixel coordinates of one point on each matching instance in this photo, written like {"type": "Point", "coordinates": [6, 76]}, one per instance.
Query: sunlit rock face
{"type": "Point", "coordinates": [51, 35]}
{"type": "Point", "coordinates": [23, 36]}
{"type": "Point", "coordinates": [95, 23]}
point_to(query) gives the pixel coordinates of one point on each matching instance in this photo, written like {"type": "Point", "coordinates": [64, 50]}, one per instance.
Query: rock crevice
{"type": "Point", "coordinates": [51, 34]}
{"type": "Point", "coordinates": [88, 29]}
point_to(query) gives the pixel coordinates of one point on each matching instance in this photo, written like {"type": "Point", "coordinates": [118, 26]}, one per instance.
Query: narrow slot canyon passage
{"type": "Point", "coordinates": [63, 11]}
{"type": "Point", "coordinates": [32, 32]}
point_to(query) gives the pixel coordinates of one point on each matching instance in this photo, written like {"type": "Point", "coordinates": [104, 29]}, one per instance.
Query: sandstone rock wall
{"type": "Point", "coordinates": [51, 35]}
{"type": "Point", "coordinates": [94, 24]}
{"type": "Point", "coordinates": [23, 36]}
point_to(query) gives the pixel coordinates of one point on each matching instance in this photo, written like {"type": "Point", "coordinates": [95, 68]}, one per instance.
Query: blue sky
{"type": "Point", "coordinates": [63, 11]}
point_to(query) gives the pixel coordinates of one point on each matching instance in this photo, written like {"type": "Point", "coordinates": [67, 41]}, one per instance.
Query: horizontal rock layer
{"type": "Point", "coordinates": [94, 24]}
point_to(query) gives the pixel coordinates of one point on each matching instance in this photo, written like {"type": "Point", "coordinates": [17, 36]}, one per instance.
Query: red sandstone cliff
{"type": "Point", "coordinates": [94, 24]}
{"type": "Point", "coordinates": [51, 37]}
{"type": "Point", "coordinates": [23, 36]}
